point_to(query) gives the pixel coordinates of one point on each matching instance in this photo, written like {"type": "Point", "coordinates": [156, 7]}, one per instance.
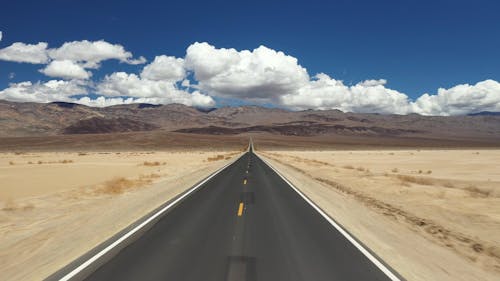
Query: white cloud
{"type": "Point", "coordinates": [373, 83]}
{"type": "Point", "coordinates": [165, 68]}
{"type": "Point", "coordinates": [327, 93]}
{"type": "Point", "coordinates": [262, 74]}
{"type": "Point", "coordinates": [92, 53]}
{"type": "Point", "coordinates": [1, 35]}
{"type": "Point", "coordinates": [460, 99]}
{"type": "Point", "coordinates": [66, 69]}
{"type": "Point", "coordinates": [28, 53]}
{"type": "Point", "coordinates": [121, 84]}
{"type": "Point", "coordinates": [259, 75]}
{"type": "Point", "coordinates": [53, 90]}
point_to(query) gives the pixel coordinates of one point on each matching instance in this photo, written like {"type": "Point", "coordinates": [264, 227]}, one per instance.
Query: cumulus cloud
{"type": "Point", "coordinates": [26, 53]}
{"type": "Point", "coordinates": [262, 74]}
{"type": "Point", "coordinates": [460, 99]}
{"type": "Point", "coordinates": [258, 75]}
{"type": "Point", "coordinates": [65, 69]}
{"type": "Point", "coordinates": [324, 92]}
{"type": "Point", "coordinates": [53, 90]}
{"type": "Point", "coordinates": [120, 84]}
{"type": "Point", "coordinates": [71, 59]}
{"type": "Point", "coordinates": [1, 35]}
{"type": "Point", "coordinates": [165, 68]}
{"type": "Point", "coordinates": [92, 53]}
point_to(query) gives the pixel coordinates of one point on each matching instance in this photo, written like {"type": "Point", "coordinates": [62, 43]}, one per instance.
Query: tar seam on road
{"type": "Point", "coordinates": [340, 229]}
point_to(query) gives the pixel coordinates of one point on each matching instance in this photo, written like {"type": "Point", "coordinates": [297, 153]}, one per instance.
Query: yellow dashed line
{"type": "Point", "coordinates": [240, 209]}
{"type": "Point", "coordinates": [245, 181]}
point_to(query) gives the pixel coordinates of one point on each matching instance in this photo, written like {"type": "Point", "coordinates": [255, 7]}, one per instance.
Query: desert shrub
{"type": "Point", "coordinates": [417, 180]}
{"type": "Point", "coordinates": [348, 167]}
{"type": "Point", "coordinates": [395, 170]}
{"type": "Point", "coordinates": [151, 164]}
{"type": "Point", "coordinates": [215, 158]}
{"type": "Point", "coordinates": [478, 191]}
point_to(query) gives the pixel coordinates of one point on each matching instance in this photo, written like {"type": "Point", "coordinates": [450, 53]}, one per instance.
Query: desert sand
{"type": "Point", "coordinates": [430, 214]}
{"type": "Point", "coordinates": [55, 206]}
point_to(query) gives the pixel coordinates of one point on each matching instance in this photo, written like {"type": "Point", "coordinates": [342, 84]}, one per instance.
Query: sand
{"type": "Point", "coordinates": [430, 214]}
{"type": "Point", "coordinates": [55, 206]}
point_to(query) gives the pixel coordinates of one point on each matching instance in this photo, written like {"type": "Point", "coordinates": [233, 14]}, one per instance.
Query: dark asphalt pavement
{"type": "Point", "coordinates": [241, 226]}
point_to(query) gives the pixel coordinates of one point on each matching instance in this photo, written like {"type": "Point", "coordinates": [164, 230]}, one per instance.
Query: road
{"type": "Point", "coordinates": [246, 223]}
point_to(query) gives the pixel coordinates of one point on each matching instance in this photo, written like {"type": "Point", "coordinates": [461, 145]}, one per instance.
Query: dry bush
{"type": "Point", "coordinates": [120, 185]}
{"type": "Point", "coordinates": [420, 171]}
{"type": "Point", "coordinates": [395, 170]}
{"type": "Point", "coordinates": [216, 158]}
{"type": "Point", "coordinates": [66, 161]}
{"type": "Point", "coordinates": [449, 185]}
{"type": "Point", "coordinates": [11, 206]}
{"type": "Point", "coordinates": [30, 162]}
{"type": "Point", "coordinates": [476, 191]}
{"type": "Point", "coordinates": [361, 169]}
{"type": "Point", "coordinates": [40, 162]}
{"type": "Point", "coordinates": [417, 180]}
{"type": "Point", "coordinates": [12, 163]}
{"type": "Point", "coordinates": [348, 167]}
{"type": "Point", "coordinates": [117, 185]}
{"type": "Point", "coordinates": [82, 154]}
{"type": "Point", "coordinates": [428, 172]}
{"type": "Point", "coordinates": [151, 164]}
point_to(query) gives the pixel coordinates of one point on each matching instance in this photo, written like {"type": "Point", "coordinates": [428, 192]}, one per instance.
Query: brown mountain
{"type": "Point", "coordinates": [34, 119]}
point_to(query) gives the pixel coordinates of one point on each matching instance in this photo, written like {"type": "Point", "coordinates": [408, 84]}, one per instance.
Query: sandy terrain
{"type": "Point", "coordinates": [430, 214]}
{"type": "Point", "coordinates": [52, 203]}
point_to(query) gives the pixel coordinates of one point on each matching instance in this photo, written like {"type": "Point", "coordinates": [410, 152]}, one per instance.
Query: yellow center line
{"type": "Point", "coordinates": [240, 210]}
{"type": "Point", "coordinates": [245, 181]}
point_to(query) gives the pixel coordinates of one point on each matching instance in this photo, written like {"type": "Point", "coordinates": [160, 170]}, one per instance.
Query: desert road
{"type": "Point", "coordinates": [245, 223]}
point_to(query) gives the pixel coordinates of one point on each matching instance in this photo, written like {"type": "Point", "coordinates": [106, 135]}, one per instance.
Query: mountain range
{"type": "Point", "coordinates": [59, 118]}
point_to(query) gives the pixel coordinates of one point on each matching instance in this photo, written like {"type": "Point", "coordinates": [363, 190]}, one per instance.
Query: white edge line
{"type": "Point", "coordinates": [362, 249]}
{"type": "Point", "coordinates": [94, 258]}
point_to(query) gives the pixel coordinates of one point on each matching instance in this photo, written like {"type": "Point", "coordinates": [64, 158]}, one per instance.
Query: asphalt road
{"type": "Point", "coordinates": [241, 226]}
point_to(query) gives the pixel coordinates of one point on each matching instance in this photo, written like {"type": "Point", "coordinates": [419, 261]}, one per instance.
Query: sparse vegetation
{"type": "Point", "coordinates": [215, 158]}
{"type": "Point", "coordinates": [475, 191]}
{"type": "Point", "coordinates": [348, 167]}
{"type": "Point", "coordinates": [416, 180]}
{"type": "Point", "coordinates": [395, 170]}
{"type": "Point", "coordinates": [120, 185]}
{"type": "Point", "coordinates": [11, 206]}
{"type": "Point", "coordinates": [151, 164]}
{"type": "Point", "coordinates": [12, 163]}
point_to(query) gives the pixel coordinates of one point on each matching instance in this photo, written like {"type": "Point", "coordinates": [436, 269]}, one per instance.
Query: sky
{"type": "Point", "coordinates": [438, 57]}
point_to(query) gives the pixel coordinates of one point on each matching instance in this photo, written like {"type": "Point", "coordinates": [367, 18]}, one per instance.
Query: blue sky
{"type": "Point", "coordinates": [417, 46]}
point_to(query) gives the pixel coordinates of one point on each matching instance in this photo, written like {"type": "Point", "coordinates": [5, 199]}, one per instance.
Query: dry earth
{"type": "Point", "coordinates": [52, 203]}
{"type": "Point", "coordinates": [430, 214]}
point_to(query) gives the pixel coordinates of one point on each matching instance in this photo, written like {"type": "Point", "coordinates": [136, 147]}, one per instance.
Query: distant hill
{"type": "Point", "coordinates": [58, 118]}
{"type": "Point", "coordinates": [485, 113]}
